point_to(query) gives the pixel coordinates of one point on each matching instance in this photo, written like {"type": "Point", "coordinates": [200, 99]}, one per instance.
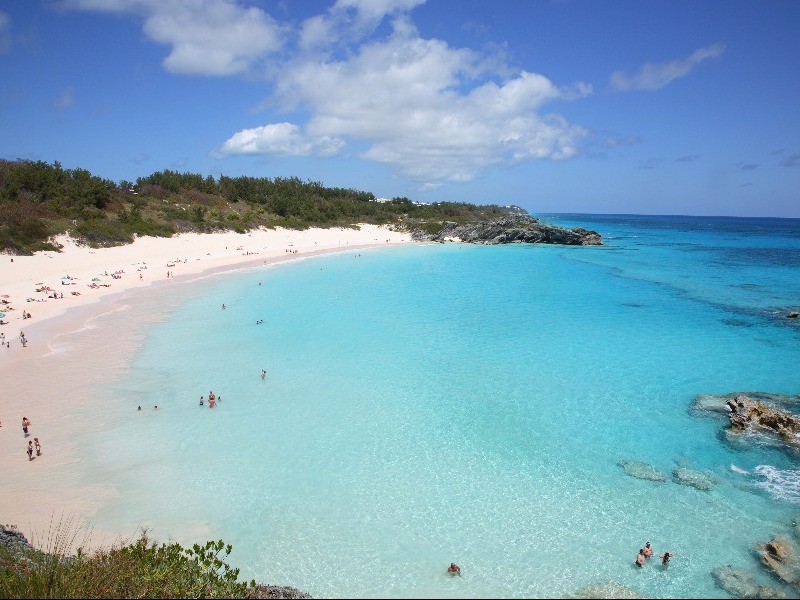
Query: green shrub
{"type": "Point", "coordinates": [142, 569]}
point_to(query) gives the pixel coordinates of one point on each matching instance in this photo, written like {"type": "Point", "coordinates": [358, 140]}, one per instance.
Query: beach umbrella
{"type": "Point", "coordinates": [6, 296]}
{"type": "Point", "coordinates": [65, 277]}
{"type": "Point", "coordinates": [95, 279]}
{"type": "Point", "coordinates": [2, 315]}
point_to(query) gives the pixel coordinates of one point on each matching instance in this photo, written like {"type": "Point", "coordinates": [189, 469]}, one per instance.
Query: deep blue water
{"type": "Point", "coordinates": [438, 403]}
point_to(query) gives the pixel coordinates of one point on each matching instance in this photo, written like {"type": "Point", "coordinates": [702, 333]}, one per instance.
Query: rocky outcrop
{"type": "Point", "coordinates": [770, 418]}
{"type": "Point", "coordinates": [512, 229]}
{"type": "Point", "coordinates": [748, 415]}
{"type": "Point", "coordinates": [718, 403]}
{"type": "Point", "coordinates": [263, 592]}
{"type": "Point", "coordinates": [13, 539]}
{"type": "Point", "coordinates": [782, 556]}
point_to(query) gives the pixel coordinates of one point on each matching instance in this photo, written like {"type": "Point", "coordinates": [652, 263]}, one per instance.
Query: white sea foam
{"type": "Point", "coordinates": [782, 484]}
{"type": "Point", "coordinates": [739, 470]}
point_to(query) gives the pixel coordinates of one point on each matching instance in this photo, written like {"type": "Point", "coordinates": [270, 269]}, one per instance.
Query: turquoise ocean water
{"type": "Point", "coordinates": [438, 403]}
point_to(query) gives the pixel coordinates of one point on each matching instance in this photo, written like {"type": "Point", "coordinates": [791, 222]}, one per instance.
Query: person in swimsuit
{"type": "Point", "coordinates": [641, 558]}
{"type": "Point", "coordinates": [30, 450]}
{"type": "Point", "coordinates": [648, 551]}
{"type": "Point", "coordinates": [665, 558]}
{"type": "Point", "coordinates": [38, 446]}
{"type": "Point", "coordinates": [25, 424]}
{"type": "Point", "coordinates": [454, 569]}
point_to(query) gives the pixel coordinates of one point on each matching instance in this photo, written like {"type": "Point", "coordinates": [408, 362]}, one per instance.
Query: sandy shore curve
{"type": "Point", "coordinates": [62, 292]}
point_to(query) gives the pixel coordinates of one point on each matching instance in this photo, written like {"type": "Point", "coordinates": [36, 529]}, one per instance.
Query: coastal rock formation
{"type": "Point", "coordinates": [263, 592]}
{"type": "Point", "coordinates": [782, 556]}
{"type": "Point", "coordinates": [718, 403]}
{"type": "Point", "coordinates": [747, 414]}
{"type": "Point", "coordinates": [742, 584]}
{"type": "Point", "coordinates": [760, 414]}
{"type": "Point", "coordinates": [641, 470]}
{"type": "Point", "coordinates": [11, 538]}
{"type": "Point", "coordinates": [698, 479]}
{"type": "Point", "coordinates": [607, 589]}
{"type": "Point", "coordinates": [515, 228]}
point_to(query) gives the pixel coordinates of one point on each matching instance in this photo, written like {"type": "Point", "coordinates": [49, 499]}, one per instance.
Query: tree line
{"type": "Point", "coordinates": [39, 200]}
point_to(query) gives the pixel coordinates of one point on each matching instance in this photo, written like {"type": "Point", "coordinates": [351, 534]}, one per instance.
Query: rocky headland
{"type": "Point", "coordinates": [516, 228]}
{"type": "Point", "coordinates": [768, 417]}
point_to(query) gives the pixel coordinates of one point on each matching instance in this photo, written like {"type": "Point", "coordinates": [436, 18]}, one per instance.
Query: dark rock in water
{"type": "Point", "coordinates": [697, 479]}
{"type": "Point", "coordinates": [263, 592]}
{"type": "Point", "coordinates": [514, 228]}
{"type": "Point", "coordinates": [782, 556]}
{"type": "Point", "coordinates": [792, 315]}
{"type": "Point", "coordinates": [607, 589]}
{"type": "Point", "coordinates": [641, 470]}
{"type": "Point", "coordinates": [742, 584]}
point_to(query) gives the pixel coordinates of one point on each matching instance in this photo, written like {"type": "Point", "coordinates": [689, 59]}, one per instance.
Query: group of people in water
{"type": "Point", "coordinates": [647, 552]}
{"type": "Point", "coordinates": [212, 400]}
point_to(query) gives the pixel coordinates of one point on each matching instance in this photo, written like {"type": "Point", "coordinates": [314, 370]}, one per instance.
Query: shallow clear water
{"type": "Point", "coordinates": [441, 403]}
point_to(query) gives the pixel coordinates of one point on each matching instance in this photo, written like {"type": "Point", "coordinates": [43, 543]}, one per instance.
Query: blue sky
{"type": "Point", "coordinates": [648, 107]}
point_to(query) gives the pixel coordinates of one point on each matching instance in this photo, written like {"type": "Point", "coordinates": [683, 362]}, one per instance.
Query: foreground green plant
{"type": "Point", "coordinates": [141, 569]}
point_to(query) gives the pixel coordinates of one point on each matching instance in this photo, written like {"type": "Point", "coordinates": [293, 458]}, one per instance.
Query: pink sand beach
{"type": "Point", "coordinates": [69, 291]}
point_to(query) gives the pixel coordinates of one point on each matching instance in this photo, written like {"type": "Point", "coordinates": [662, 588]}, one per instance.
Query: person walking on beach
{"type": "Point", "coordinates": [30, 450]}
{"type": "Point", "coordinates": [665, 558]}
{"type": "Point", "coordinates": [25, 424]}
{"type": "Point", "coordinates": [38, 446]}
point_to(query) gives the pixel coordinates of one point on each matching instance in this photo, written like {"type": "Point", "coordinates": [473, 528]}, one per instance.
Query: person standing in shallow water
{"type": "Point", "coordinates": [454, 569]}
{"type": "Point", "coordinates": [665, 558]}
{"type": "Point", "coordinates": [648, 551]}
{"type": "Point", "coordinates": [641, 558]}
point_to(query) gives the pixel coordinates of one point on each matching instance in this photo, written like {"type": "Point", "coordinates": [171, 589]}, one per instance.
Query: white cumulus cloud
{"type": "Point", "coordinates": [279, 139]}
{"type": "Point", "coordinates": [350, 19]}
{"type": "Point", "coordinates": [656, 76]}
{"type": "Point", "coordinates": [206, 37]}
{"type": "Point", "coordinates": [424, 109]}
{"type": "Point", "coordinates": [428, 111]}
